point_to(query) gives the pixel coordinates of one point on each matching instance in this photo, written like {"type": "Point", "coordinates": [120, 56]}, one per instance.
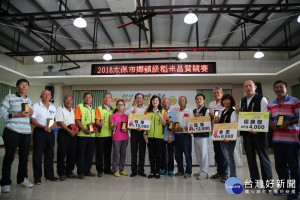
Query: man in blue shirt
{"type": "Point", "coordinates": [168, 140]}
{"type": "Point", "coordinates": [16, 109]}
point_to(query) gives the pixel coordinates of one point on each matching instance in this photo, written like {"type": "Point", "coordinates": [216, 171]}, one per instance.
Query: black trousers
{"type": "Point", "coordinates": [170, 147]}
{"type": "Point", "coordinates": [258, 144]}
{"type": "Point", "coordinates": [222, 164]}
{"type": "Point", "coordinates": [103, 150]}
{"type": "Point", "coordinates": [85, 154]}
{"type": "Point", "coordinates": [43, 145]}
{"type": "Point", "coordinates": [155, 151]}
{"type": "Point", "coordinates": [12, 140]}
{"type": "Point", "coordinates": [66, 150]}
{"type": "Point", "coordinates": [138, 144]}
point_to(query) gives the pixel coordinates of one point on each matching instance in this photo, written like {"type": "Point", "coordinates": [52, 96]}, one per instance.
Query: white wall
{"type": "Point", "coordinates": [35, 91]}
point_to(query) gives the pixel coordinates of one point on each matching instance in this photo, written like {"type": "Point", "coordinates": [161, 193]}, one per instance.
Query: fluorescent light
{"type": "Point", "coordinates": [182, 55]}
{"type": "Point", "coordinates": [79, 22]}
{"type": "Point", "coordinates": [38, 59]}
{"type": "Point", "coordinates": [298, 20]}
{"type": "Point", "coordinates": [190, 18]}
{"type": "Point", "coordinates": [259, 55]}
{"type": "Point", "coordinates": [107, 56]}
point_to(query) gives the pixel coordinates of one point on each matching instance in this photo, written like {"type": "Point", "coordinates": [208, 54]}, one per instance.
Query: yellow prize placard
{"type": "Point", "coordinates": [225, 131]}
{"type": "Point", "coordinates": [199, 124]}
{"type": "Point", "coordinates": [136, 121]}
{"type": "Point", "coordinates": [255, 121]}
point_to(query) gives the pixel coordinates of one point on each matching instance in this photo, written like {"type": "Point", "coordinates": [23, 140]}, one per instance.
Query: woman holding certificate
{"type": "Point", "coordinates": [155, 136]}
{"type": "Point", "coordinates": [228, 115]}
{"type": "Point", "coordinates": [118, 124]}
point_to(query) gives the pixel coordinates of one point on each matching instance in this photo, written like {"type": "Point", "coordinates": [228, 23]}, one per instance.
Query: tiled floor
{"type": "Point", "coordinates": [126, 188]}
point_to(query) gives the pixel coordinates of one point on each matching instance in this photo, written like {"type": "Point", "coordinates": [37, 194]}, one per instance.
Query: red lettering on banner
{"type": "Point", "coordinates": [155, 69]}
{"type": "Point", "coordinates": [147, 69]}
{"type": "Point", "coordinates": [187, 68]}
{"type": "Point", "coordinates": [196, 68]}
{"type": "Point", "coordinates": [172, 69]}
{"type": "Point", "coordinates": [131, 69]}
{"type": "Point", "coordinates": [124, 70]}
{"type": "Point", "coordinates": [179, 69]}
{"type": "Point", "coordinates": [140, 69]}
{"type": "Point", "coordinates": [111, 70]}
{"type": "Point", "coordinates": [164, 69]}
{"type": "Point", "coordinates": [204, 68]}
{"type": "Point", "coordinates": [116, 70]}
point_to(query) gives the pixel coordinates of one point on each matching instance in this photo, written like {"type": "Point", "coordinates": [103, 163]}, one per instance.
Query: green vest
{"type": "Point", "coordinates": [105, 116]}
{"type": "Point", "coordinates": [87, 117]}
{"type": "Point", "coordinates": [156, 127]}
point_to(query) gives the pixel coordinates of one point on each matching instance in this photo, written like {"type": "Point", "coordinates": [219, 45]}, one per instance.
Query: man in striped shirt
{"type": "Point", "coordinates": [16, 109]}
{"type": "Point", "coordinates": [284, 121]}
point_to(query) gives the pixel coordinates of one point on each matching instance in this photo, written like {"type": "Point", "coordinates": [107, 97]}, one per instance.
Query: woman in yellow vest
{"type": "Point", "coordinates": [155, 136]}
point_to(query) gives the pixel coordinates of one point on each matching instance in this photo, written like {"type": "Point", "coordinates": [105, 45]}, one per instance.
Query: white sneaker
{"type": "Point", "coordinates": [5, 188]}
{"type": "Point", "coordinates": [200, 177]}
{"type": "Point", "coordinates": [26, 183]}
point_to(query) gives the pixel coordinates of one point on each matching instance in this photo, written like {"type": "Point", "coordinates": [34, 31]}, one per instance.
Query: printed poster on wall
{"type": "Point", "coordinates": [173, 95]}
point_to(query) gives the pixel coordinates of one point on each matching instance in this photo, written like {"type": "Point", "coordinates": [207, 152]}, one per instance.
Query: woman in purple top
{"type": "Point", "coordinates": [118, 124]}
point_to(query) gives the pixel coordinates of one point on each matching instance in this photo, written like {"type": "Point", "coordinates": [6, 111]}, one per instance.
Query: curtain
{"type": "Point", "coordinates": [97, 97]}
{"type": "Point", "coordinates": [4, 91]}
{"type": "Point", "coordinates": [296, 91]}
{"type": "Point", "coordinates": [208, 93]}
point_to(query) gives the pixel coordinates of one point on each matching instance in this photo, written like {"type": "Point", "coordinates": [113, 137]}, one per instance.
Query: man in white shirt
{"type": "Point", "coordinates": [216, 109]}
{"type": "Point", "coordinates": [183, 140]}
{"type": "Point", "coordinates": [137, 141]}
{"type": "Point", "coordinates": [66, 139]}
{"type": "Point", "coordinates": [43, 138]}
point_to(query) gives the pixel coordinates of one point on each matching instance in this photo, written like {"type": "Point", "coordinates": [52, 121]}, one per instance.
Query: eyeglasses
{"type": "Point", "coordinates": [69, 100]}
{"type": "Point", "coordinates": [120, 105]}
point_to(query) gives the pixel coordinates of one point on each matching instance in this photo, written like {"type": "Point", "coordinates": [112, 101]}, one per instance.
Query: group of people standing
{"type": "Point", "coordinates": [86, 130]}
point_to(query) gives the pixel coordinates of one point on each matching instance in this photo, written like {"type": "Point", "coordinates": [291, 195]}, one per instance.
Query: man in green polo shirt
{"type": "Point", "coordinates": [84, 118]}
{"type": "Point", "coordinates": [104, 136]}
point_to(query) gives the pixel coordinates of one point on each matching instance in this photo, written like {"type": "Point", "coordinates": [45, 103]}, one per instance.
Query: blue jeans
{"type": "Point", "coordinates": [287, 162]}
{"type": "Point", "coordinates": [183, 144]}
{"type": "Point", "coordinates": [228, 151]}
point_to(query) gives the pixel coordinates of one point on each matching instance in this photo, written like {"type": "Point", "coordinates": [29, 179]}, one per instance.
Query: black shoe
{"type": "Point", "coordinates": [53, 178]}
{"type": "Point", "coordinates": [81, 176]}
{"type": "Point", "coordinates": [91, 174]}
{"type": "Point", "coordinates": [143, 174]}
{"type": "Point", "coordinates": [216, 176]}
{"type": "Point", "coordinates": [179, 174]}
{"type": "Point", "coordinates": [62, 178]}
{"type": "Point", "coordinates": [37, 181]}
{"type": "Point", "coordinates": [150, 175]}
{"type": "Point", "coordinates": [72, 176]}
{"type": "Point", "coordinates": [133, 174]}
{"type": "Point", "coordinates": [157, 176]}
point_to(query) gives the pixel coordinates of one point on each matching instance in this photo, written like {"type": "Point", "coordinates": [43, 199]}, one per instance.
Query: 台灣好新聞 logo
{"type": "Point", "coordinates": [233, 186]}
